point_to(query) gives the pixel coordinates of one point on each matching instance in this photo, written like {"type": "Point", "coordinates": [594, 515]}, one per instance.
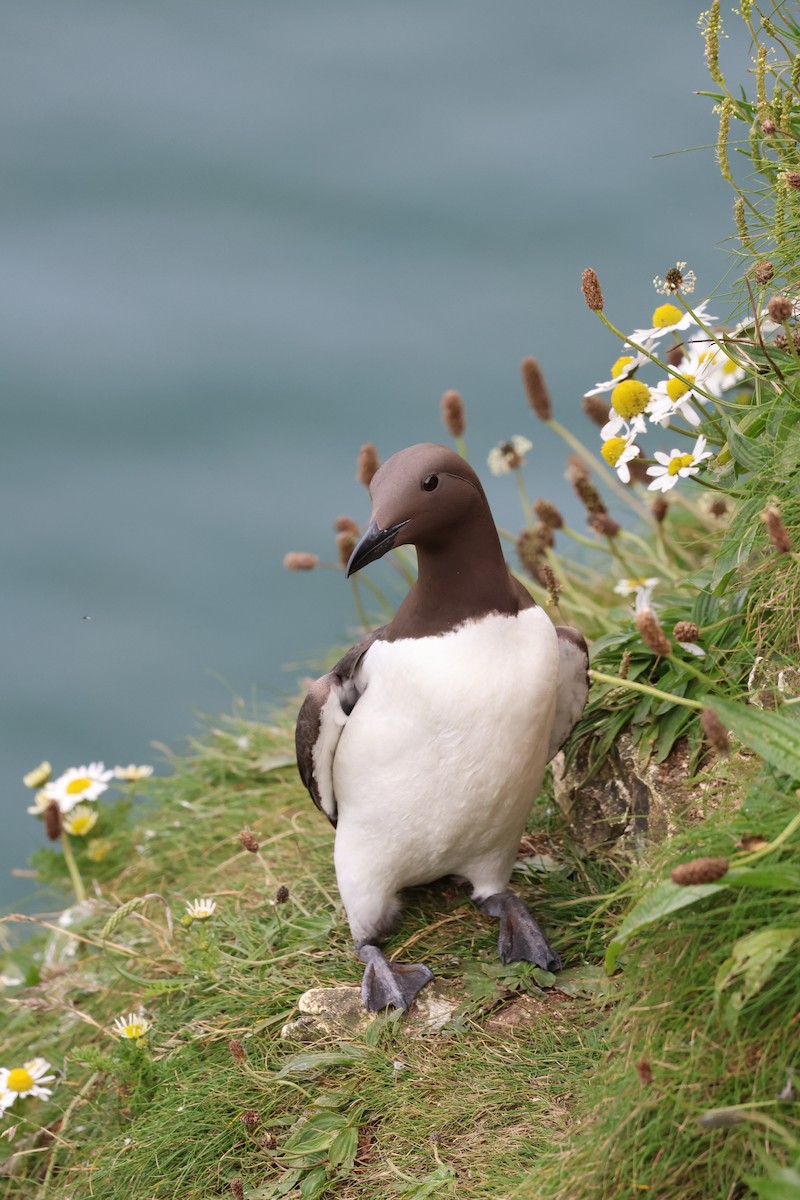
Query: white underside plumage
{"type": "Point", "coordinates": [435, 769]}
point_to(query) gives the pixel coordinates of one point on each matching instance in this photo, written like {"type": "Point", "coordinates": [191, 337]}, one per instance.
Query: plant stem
{"type": "Point", "coordinates": [783, 836]}
{"type": "Point", "coordinates": [524, 498]}
{"type": "Point", "coordinates": [608, 477]}
{"type": "Point", "coordinates": [646, 688]}
{"type": "Point", "coordinates": [72, 867]}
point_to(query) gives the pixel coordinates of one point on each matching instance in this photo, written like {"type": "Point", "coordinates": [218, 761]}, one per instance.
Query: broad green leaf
{"type": "Point", "coordinates": [746, 448]}
{"type": "Point", "coordinates": [433, 1183]}
{"type": "Point", "coordinates": [592, 982]}
{"type": "Point", "coordinates": [783, 1184]}
{"type": "Point", "coordinates": [776, 879]}
{"type": "Point", "coordinates": [314, 1183]}
{"type": "Point", "coordinates": [314, 1063]}
{"type": "Point", "coordinates": [343, 1149]}
{"type": "Point", "coordinates": [753, 961]}
{"type": "Point", "coordinates": [660, 901]}
{"type": "Point", "coordinates": [773, 735]}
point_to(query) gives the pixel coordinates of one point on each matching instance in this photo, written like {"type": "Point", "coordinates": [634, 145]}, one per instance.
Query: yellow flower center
{"type": "Point", "coordinates": [134, 1029]}
{"type": "Point", "coordinates": [630, 398]}
{"type": "Point", "coordinates": [729, 366]}
{"type": "Point", "coordinates": [612, 449]}
{"type": "Point", "coordinates": [81, 823]}
{"type": "Point", "coordinates": [677, 388]}
{"type": "Point", "coordinates": [76, 786]}
{"type": "Point", "coordinates": [683, 460]}
{"type": "Point", "coordinates": [666, 315]}
{"type": "Point", "coordinates": [620, 365]}
{"type": "Point", "coordinates": [19, 1080]}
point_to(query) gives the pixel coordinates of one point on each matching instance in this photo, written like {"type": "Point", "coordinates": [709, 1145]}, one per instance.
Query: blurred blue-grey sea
{"type": "Point", "coordinates": [239, 240]}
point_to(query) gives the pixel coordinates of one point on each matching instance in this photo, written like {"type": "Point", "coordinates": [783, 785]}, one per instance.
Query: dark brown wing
{"type": "Point", "coordinates": [320, 722]}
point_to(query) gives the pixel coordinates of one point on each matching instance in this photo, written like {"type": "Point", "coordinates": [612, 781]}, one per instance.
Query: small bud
{"type": "Point", "coordinates": [651, 632]}
{"type": "Point", "coordinates": [781, 340]}
{"type": "Point", "coordinates": [345, 545]}
{"type": "Point", "coordinates": [576, 469]}
{"type": "Point", "coordinates": [300, 560]}
{"type": "Point", "coordinates": [776, 529]}
{"type": "Point", "coordinates": [596, 409]}
{"type": "Point", "coordinates": [699, 870]}
{"type": "Point", "coordinates": [237, 1050]}
{"type": "Point", "coordinates": [588, 495]}
{"type": "Point", "coordinates": [605, 525]}
{"type": "Point", "coordinates": [624, 664]}
{"type": "Point", "coordinates": [645, 1072]}
{"type": "Point", "coordinates": [659, 508]}
{"type": "Point", "coordinates": [282, 894]}
{"type": "Point", "coordinates": [792, 178]}
{"type": "Point", "coordinates": [685, 631]}
{"type": "Point", "coordinates": [674, 354]}
{"type": "Point", "coordinates": [52, 821]}
{"type": "Point", "coordinates": [248, 840]}
{"type": "Point", "coordinates": [269, 1141]}
{"type": "Point", "coordinates": [768, 127]}
{"type": "Point", "coordinates": [718, 506]}
{"type": "Point", "coordinates": [548, 514]}
{"type": "Point", "coordinates": [368, 463]}
{"type": "Point", "coordinates": [237, 1189]}
{"type": "Point", "coordinates": [530, 551]}
{"type": "Point", "coordinates": [763, 272]}
{"type": "Point", "coordinates": [592, 292]}
{"type": "Point", "coordinates": [535, 386]}
{"type": "Point", "coordinates": [346, 525]}
{"type": "Point", "coordinates": [554, 588]}
{"type": "Point", "coordinates": [455, 421]}
{"type": "Point", "coordinates": [250, 1118]}
{"type": "Point", "coordinates": [779, 309]}
{"type": "Point", "coordinates": [715, 731]}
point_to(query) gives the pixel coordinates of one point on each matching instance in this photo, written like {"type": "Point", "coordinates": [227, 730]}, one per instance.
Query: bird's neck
{"type": "Point", "coordinates": [461, 578]}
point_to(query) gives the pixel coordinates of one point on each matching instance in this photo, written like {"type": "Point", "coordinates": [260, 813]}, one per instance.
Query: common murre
{"type": "Point", "coordinates": [426, 744]}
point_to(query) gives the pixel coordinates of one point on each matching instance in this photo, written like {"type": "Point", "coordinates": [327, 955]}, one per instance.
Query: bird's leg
{"type": "Point", "coordinates": [388, 984]}
{"type": "Point", "coordinates": [521, 939]}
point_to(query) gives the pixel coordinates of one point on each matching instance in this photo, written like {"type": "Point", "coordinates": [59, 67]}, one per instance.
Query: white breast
{"type": "Point", "coordinates": [442, 756]}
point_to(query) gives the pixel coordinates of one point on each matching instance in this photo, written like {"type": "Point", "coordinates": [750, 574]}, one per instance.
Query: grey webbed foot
{"type": "Point", "coordinates": [388, 984]}
{"type": "Point", "coordinates": [521, 939]}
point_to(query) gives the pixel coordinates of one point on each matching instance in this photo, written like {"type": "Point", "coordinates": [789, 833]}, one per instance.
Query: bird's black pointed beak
{"type": "Point", "coordinates": [372, 545]}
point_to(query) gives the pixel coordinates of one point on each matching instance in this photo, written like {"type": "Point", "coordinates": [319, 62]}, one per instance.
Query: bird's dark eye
{"type": "Point", "coordinates": [430, 483]}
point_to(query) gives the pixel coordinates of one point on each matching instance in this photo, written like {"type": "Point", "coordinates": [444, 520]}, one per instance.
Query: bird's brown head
{"type": "Point", "coordinates": [419, 497]}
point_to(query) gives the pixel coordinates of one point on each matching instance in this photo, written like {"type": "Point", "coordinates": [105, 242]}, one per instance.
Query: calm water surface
{"type": "Point", "coordinates": [238, 241]}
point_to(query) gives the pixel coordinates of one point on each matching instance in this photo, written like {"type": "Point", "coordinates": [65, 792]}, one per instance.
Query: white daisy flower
{"type": "Point", "coordinates": [674, 466]}
{"type": "Point", "coordinates": [131, 773]}
{"type": "Point", "coordinates": [38, 776]}
{"type": "Point", "coordinates": [618, 452]}
{"type": "Point", "coordinates": [77, 784]}
{"type": "Point", "coordinates": [41, 801]}
{"type": "Point", "coordinates": [617, 426]}
{"type": "Point", "coordinates": [200, 910]}
{"type": "Point", "coordinates": [27, 1080]}
{"type": "Point", "coordinates": [80, 820]}
{"type": "Point", "coordinates": [508, 456]}
{"type": "Point", "coordinates": [630, 587]}
{"type": "Point", "coordinates": [717, 371]}
{"type": "Point", "coordinates": [668, 318]}
{"type": "Point", "coordinates": [132, 1025]}
{"type": "Point", "coordinates": [673, 397]}
{"type": "Point", "coordinates": [629, 361]}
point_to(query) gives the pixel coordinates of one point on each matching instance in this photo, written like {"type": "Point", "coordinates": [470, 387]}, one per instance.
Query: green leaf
{"type": "Point", "coordinates": [314, 1183]}
{"type": "Point", "coordinates": [753, 961]}
{"type": "Point", "coordinates": [315, 1064]}
{"type": "Point", "coordinates": [773, 735]}
{"type": "Point", "coordinates": [746, 449]}
{"type": "Point", "coordinates": [660, 901]}
{"type": "Point", "coordinates": [343, 1149]}
{"type": "Point", "coordinates": [776, 879]}
{"type": "Point", "coordinates": [433, 1183]}
{"type": "Point", "coordinates": [783, 1184]}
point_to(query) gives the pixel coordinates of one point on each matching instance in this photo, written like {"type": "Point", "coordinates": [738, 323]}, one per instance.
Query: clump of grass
{"type": "Point", "coordinates": [210, 1093]}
